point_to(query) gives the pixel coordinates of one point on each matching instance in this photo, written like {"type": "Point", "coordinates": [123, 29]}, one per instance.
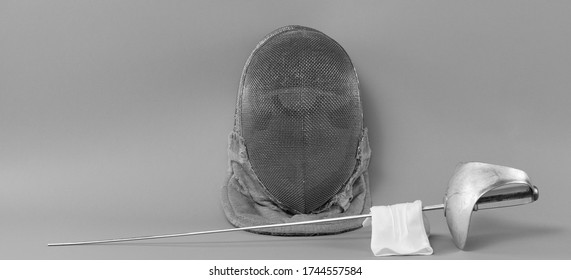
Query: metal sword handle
{"type": "Point", "coordinates": [506, 196]}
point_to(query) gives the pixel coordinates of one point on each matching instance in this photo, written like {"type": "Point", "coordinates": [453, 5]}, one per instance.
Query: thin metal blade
{"type": "Point", "coordinates": [427, 208]}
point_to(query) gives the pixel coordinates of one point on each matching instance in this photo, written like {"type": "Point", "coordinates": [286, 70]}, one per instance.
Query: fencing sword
{"type": "Point", "coordinates": [474, 186]}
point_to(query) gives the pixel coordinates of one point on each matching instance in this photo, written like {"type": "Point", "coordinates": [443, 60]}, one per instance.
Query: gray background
{"type": "Point", "coordinates": [114, 118]}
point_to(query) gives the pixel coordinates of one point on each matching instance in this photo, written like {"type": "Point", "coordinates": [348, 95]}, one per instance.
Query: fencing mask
{"type": "Point", "coordinates": [298, 150]}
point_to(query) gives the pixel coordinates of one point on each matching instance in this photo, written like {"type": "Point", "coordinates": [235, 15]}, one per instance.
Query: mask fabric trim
{"type": "Point", "coordinates": [246, 202]}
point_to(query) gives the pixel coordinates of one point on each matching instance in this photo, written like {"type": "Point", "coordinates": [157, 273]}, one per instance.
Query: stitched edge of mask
{"type": "Point", "coordinates": [249, 185]}
{"type": "Point", "coordinates": [250, 213]}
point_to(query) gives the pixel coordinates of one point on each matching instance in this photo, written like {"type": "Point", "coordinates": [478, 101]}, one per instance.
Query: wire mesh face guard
{"type": "Point", "coordinates": [298, 149]}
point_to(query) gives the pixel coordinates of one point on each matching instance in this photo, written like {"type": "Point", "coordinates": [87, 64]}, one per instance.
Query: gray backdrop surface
{"type": "Point", "coordinates": [114, 117]}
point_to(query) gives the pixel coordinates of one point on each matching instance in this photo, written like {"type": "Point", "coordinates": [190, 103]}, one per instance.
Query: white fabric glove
{"type": "Point", "coordinates": [399, 229]}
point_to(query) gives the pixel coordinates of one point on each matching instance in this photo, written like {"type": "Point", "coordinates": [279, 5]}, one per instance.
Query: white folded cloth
{"type": "Point", "coordinates": [399, 229]}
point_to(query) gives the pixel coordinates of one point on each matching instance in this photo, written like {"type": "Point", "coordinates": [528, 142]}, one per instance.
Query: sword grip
{"type": "Point", "coordinates": [506, 196]}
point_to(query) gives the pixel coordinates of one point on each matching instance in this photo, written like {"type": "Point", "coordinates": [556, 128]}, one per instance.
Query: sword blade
{"type": "Point", "coordinates": [427, 208]}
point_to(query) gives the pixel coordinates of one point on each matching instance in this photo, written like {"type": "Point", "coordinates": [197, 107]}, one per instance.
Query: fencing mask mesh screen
{"type": "Point", "coordinates": [298, 150]}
